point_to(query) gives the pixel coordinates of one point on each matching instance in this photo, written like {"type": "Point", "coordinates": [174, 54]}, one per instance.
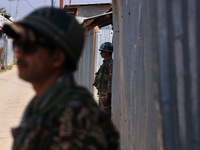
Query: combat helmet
{"type": "Point", "coordinates": [57, 26]}
{"type": "Point", "coordinates": [107, 46]}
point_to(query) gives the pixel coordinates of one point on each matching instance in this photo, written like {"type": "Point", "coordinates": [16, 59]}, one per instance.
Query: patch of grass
{"type": "Point", "coordinates": [7, 67]}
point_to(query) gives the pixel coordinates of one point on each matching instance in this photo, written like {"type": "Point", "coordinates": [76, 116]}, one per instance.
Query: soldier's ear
{"type": "Point", "coordinates": [59, 58]}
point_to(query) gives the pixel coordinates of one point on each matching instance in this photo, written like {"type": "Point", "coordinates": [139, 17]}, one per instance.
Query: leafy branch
{"type": "Point", "coordinates": [3, 11]}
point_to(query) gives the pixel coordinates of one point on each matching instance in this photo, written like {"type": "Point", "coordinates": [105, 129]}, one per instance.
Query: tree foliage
{"type": "Point", "coordinates": [2, 10]}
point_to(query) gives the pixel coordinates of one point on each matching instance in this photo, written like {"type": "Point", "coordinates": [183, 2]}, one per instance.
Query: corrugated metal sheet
{"type": "Point", "coordinates": [7, 51]}
{"type": "Point", "coordinates": [180, 108]}
{"type": "Point", "coordinates": [10, 53]}
{"type": "Point", "coordinates": [156, 100]}
{"type": "Point", "coordinates": [7, 55]}
{"type": "Point", "coordinates": [91, 60]}
{"type": "Point", "coordinates": [133, 104]}
{"type": "Point", "coordinates": [84, 74]}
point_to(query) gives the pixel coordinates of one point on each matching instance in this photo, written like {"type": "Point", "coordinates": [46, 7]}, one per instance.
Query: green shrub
{"type": "Point", "coordinates": [7, 67]}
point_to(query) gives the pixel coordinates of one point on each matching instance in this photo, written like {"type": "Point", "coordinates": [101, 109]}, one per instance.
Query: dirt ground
{"type": "Point", "coordinates": [14, 96]}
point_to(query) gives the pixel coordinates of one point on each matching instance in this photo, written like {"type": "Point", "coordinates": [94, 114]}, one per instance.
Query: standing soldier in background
{"type": "Point", "coordinates": [103, 78]}
{"type": "Point", "coordinates": [62, 115]}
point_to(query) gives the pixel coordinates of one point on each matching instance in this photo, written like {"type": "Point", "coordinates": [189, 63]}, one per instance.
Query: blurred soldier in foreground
{"type": "Point", "coordinates": [62, 116]}
{"type": "Point", "coordinates": [103, 78]}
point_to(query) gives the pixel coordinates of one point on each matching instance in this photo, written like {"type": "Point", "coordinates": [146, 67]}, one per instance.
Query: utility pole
{"type": "Point", "coordinates": [51, 3]}
{"type": "Point", "coordinates": [61, 4]}
{"type": "Point", "coordinates": [17, 9]}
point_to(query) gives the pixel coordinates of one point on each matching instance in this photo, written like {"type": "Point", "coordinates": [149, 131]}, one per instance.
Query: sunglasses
{"type": "Point", "coordinates": [29, 47]}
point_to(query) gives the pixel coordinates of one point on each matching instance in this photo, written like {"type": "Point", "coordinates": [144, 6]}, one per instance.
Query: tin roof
{"type": "Point", "coordinates": [77, 5]}
{"type": "Point", "coordinates": [89, 2]}
{"type": "Point", "coordinates": [99, 20]}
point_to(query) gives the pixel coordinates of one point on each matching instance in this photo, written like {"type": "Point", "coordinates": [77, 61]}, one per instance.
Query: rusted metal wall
{"type": "Point", "coordinates": [155, 100]}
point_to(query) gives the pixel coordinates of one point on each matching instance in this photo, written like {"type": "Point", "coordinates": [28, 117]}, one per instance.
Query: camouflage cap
{"type": "Point", "coordinates": [56, 26]}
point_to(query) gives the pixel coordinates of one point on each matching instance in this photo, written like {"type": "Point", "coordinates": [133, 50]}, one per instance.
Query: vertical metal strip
{"type": "Point", "coordinates": [93, 55]}
{"type": "Point", "coordinates": [192, 63]}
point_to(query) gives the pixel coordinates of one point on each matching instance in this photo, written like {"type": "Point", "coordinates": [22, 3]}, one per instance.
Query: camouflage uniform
{"type": "Point", "coordinates": [65, 117]}
{"type": "Point", "coordinates": [103, 82]}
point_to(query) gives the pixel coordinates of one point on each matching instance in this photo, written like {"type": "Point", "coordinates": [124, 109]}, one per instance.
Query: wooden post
{"type": "Point", "coordinates": [93, 55]}
{"type": "Point", "coordinates": [61, 4]}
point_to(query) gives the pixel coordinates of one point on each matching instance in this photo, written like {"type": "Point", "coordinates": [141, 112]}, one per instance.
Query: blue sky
{"type": "Point", "coordinates": [26, 6]}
